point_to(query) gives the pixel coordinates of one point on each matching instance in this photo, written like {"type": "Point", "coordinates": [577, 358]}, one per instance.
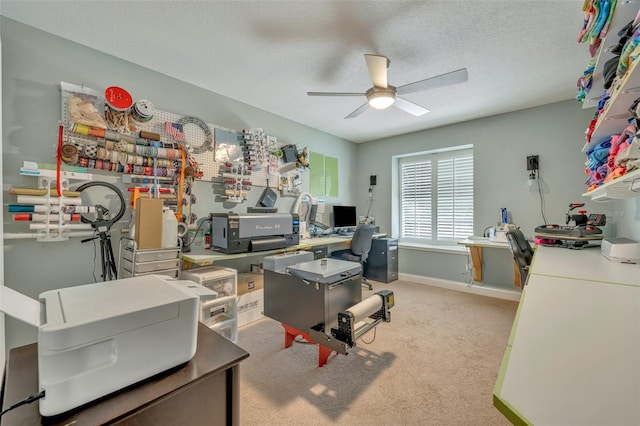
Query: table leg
{"type": "Point", "coordinates": [476, 259]}
{"type": "Point", "coordinates": [516, 275]}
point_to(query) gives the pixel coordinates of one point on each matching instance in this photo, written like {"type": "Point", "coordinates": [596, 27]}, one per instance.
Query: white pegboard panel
{"type": "Point", "coordinates": [212, 146]}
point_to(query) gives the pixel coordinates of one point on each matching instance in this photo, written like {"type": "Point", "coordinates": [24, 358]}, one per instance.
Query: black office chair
{"type": "Point", "coordinates": [522, 254]}
{"type": "Point", "coordinates": [359, 251]}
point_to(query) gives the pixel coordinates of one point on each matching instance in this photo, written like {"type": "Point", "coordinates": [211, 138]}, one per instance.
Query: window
{"type": "Point", "coordinates": [436, 196]}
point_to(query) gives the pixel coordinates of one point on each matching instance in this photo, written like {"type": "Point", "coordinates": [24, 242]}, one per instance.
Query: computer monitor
{"type": "Point", "coordinates": [344, 217]}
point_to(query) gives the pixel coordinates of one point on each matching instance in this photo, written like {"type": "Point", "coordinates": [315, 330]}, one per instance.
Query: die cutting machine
{"type": "Point", "coordinates": [322, 298]}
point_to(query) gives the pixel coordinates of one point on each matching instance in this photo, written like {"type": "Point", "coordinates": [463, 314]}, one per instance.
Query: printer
{"type": "Point", "coordinates": [248, 232]}
{"type": "Point", "coordinates": [623, 250]}
{"type": "Point", "coordinates": [95, 339]}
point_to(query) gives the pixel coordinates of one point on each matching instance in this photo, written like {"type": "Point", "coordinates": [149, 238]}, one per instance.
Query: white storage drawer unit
{"type": "Point", "coordinates": [219, 314]}
{"type": "Point", "coordinates": [161, 261]}
{"type": "Point", "coordinates": [218, 310]}
{"type": "Point", "coordinates": [219, 279]}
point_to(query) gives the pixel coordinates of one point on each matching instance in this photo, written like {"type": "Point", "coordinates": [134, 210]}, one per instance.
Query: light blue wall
{"type": "Point", "coordinates": [34, 63]}
{"type": "Point", "coordinates": [501, 143]}
{"type": "Point", "coordinates": [627, 215]}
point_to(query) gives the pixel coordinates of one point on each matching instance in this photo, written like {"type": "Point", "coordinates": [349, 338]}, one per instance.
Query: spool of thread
{"type": "Point", "coordinates": [149, 135]}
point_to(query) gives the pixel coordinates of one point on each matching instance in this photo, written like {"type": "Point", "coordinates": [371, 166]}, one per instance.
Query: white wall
{"type": "Point", "coordinates": [34, 63]}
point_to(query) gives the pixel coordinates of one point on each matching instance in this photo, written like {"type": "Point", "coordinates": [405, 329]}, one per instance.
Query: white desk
{"type": "Point", "coordinates": [475, 246]}
{"type": "Point", "coordinates": [585, 264]}
{"type": "Point", "coordinates": [573, 356]}
{"type": "Point", "coordinates": [209, 257]}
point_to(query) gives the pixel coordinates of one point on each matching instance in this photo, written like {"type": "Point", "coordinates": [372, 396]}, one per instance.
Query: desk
{"type": "Point", "coordinates": [572, 356]}
{"type": "Point", "coordinates": [475, 246]}
{"type": "Point", "coordinates": [205, 390]}
{"type": "Point", "coordinates": [209, 257]}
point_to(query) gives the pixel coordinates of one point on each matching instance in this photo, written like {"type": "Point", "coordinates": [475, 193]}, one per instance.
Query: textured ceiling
{"type": "Point", "coordinates": [268, 54]}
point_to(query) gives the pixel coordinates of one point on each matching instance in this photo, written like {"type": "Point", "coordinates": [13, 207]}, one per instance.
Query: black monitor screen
{"type": "Point", "coordinates": [344, 216]}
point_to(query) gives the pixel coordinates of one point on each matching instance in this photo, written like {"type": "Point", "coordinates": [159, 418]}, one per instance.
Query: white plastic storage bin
{"type": "Point", "coordinates": [228, 329]}
{"type": "Point", "coordinates": [218, 310]}
{"type": "Point", "coordinates": [219, 279]}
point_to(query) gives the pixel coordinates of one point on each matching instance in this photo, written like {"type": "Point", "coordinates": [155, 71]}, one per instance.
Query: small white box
{"type": "Point", "coordinates": [250, 307]}
{"type": "Point", "coordinates": [622, 250]}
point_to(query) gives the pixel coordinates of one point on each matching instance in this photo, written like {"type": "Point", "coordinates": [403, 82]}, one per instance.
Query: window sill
{"type": "Point", "coordinates": [435, 248]}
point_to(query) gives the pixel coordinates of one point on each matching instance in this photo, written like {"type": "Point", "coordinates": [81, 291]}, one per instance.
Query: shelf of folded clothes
{"type": "Point", "coordinates": [616, 189]}
{"type": "Point", "coordinates": [617, 112]}
{"type": "Point", "coordinates": [622, 15]}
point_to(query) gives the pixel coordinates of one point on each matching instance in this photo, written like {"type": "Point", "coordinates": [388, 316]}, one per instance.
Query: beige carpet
{"type": "Point", "coordinates": [435, 363]}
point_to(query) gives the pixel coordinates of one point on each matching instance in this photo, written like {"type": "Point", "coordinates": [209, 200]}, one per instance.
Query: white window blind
{"type": "Point", "coordinates": [436, 196]}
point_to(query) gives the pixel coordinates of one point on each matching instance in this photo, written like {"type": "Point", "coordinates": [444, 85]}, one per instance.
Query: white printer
{"type": "Point", "coordinates": [95, 339]}
{"type": "Point", "coordinates": [623, 250]}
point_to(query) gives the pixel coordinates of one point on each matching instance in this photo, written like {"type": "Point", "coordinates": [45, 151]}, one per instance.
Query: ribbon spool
{"type": "Point", "coordinates": [142, 111]}
{"type": "Point", "coordinates": [69, 154]}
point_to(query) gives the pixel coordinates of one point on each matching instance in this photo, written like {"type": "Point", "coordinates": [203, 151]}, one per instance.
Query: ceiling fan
{"type": "Point", "coordinates": [383, 95]}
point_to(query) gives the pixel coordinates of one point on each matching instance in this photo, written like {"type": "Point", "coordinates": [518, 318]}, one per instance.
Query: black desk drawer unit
{"type": "Point", "coordinates": [382, 263]}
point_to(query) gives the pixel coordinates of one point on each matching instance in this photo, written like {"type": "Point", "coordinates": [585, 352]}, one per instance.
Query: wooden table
{"type": "Point", "coordinates": [475, 247]}
{"type": "Point", "coordinates": [205, 390]}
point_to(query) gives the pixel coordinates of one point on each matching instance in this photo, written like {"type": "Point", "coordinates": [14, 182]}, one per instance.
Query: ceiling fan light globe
{"type": "Point", "coordinates": [381, 100]}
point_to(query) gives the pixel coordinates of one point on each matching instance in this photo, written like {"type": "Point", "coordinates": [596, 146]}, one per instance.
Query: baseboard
{"type": "Point", "coordinates": [484, 290]}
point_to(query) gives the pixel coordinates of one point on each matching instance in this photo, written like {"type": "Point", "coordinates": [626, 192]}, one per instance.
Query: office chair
{"type": "Point", "coordinates": [522, 254]}
{"type": "Point", "coordinates": [359, 251]}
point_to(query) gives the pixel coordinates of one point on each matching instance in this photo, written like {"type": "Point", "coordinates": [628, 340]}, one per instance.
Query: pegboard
{"type": "Point", "coordinates": [210, 145]}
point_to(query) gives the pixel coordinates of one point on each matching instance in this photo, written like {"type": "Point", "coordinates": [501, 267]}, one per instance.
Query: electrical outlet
{"type": "Point", "coordinates": [532, 162]}
{"type": "Point", "coordinates": [372, 180]}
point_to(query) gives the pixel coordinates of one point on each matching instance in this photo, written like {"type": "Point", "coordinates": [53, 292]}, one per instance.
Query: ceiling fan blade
{"type": "Point", "coordinates": [453, 77]}
{"type": "Point", "coordinates": [359, 111]}
{"type": "Point", "coordinates": [410, 107]}
{"type": "Point", "coordinates": [377, 69]}
{"type": "Point", "coordinates": [334, 94]}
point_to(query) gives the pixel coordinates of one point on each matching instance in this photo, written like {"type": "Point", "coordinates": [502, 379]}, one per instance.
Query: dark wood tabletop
{"type": "Point", "coordinates": [186, 394]}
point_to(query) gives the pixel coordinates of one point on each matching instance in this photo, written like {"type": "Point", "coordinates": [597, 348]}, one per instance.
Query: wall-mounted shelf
{"type": "Point", "coordinates": [623, 187]}
{"type": "Point", "coordinates": [625, 12]}
{"type": "Point", "coordinates": [615, 116]}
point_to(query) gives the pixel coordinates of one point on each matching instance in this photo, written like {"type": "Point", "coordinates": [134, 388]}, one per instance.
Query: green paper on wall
{"type": "Point", "coordinates": [331, 176]}
{"type": "Point", "coordinates": [316, 173]}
